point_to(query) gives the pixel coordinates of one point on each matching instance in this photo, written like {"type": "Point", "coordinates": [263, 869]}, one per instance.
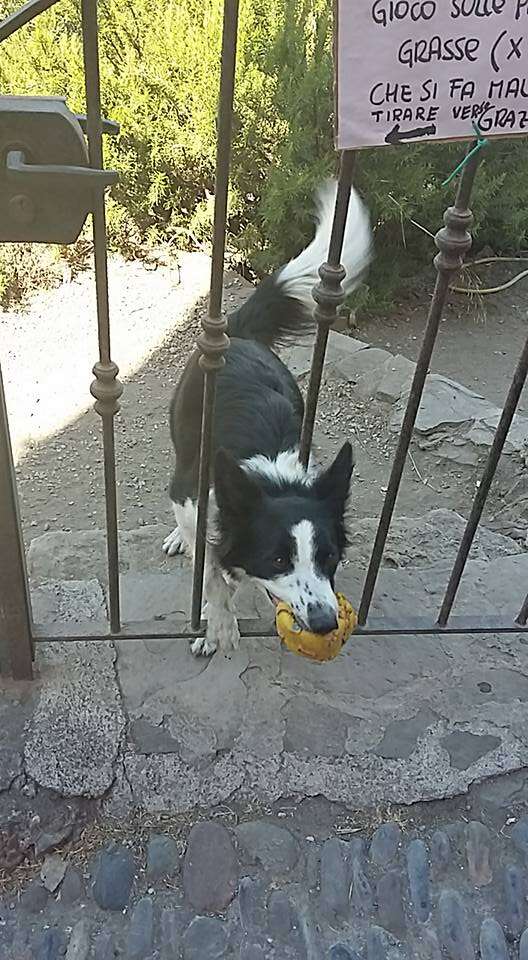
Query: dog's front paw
{"type": "Point", "coordinates": [202, 647]}
{"type": "Point", "coordinates": [173, 543]}
{"type": "Point", "coordinates": [222, 631]}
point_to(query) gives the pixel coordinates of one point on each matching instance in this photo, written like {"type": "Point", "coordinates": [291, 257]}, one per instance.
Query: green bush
{"type": "Point", "coordinates": [159, 73]}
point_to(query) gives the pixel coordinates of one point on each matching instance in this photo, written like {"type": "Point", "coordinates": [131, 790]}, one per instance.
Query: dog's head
{"type": "Point", "coordinates": [285, 528]}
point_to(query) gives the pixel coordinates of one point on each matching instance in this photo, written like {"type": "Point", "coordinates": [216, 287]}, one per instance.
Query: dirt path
{"type": "Point", "coordinates": [479, 340]}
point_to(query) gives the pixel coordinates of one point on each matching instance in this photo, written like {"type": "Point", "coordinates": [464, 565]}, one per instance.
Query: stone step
{"type": "Point", "coordinates": [68, 572]}
{"type": "Point", "coordinates": [412, 541]}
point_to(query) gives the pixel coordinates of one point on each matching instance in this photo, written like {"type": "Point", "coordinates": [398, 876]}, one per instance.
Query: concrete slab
{"type": "Point", "coordinates": [298, 358]}
{"type": "Point", "coordinates": [397, 719]}
{"type": "Point", "coordinates": [71, 601]}
{"type": "Point", "coordinates": [75, 733]}
{"type": "Point", "coordinates": [458, 423]}
{"type": "Point", "coordinates": [393, 719]}
{"type": "Point", "coordinates": [61, 555]}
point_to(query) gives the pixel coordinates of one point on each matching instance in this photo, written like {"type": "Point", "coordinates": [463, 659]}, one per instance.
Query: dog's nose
{"type": "Point", "coordinates": [321, 618]}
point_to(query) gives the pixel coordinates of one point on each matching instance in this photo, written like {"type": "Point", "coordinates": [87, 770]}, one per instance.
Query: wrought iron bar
{"type": "Point", "coordinates": [106, 388]}
{"type": "Point", "coordinates": [213, 342]}
{"type": "Point", "coordinates": [16, 648]}
{"type": "Point", "coordinates": [523, 613]}
{"type": "Point", "coordinates": [173, 628]}
{"type": "Point", "coordinates": [26, 14]}
{"type": "Point", "coordinates": [479, 502]}
{"type": "Point", "coordinates": [328, 295]}
{"type": "Point", "coordinates": [453, 242]}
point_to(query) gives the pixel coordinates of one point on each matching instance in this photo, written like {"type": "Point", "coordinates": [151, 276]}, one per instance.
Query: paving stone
{"type": "Point", "coordinates": [391, 914]}
{"type": "Point", "coordinates": [113, 879]}
{"type": "Point", "coordinates": [49, 945]}
{"type": "Point", "coordinates": [441, 853]}
{"type": "Point", "coordinates": [34, 898]}
{"type": "Point", "coordinates": [382, 946]}
{"type": "Point", "coordinates": [170, 934]}
{"type": "Point", "coordinates": [385, 843]}
{"type": "Point", "coordinates": [309, 940]}
{"type": "Point", "coordinates": [397, 373]}
{"type": "Point", "coordinates": [252, 904]}
{"type": "Point", "coordinates": [313, 728]}
{"type": "Point", "coordinates": [72, 888]}
{"type": "Point", "coordinates": [340, 951]}
{"type": "Point", "coordinates": [79, 944]}
{"type": "Point", "coordinates": [401, 736]}
{"type": "Point", "coordinates": [252, 951]}
{"type": "Point", "coordinates": [514, 889]}
{"type": "Point", "coordinates": [281, 917]}
{"type": "Point", "coordinates": [365, 369]}
{"type": "Point", "coordinates": [140, 937]}
{"type": "Point", "coordinates": [454, 930]}
{"type": "Point", "coordinates": [456, 832]}
{"type": "Point", "coordinates": [356, 851]}
{"type": "Point", "coordinates": [519, 836]}
{"type": "Point", "coordinates": [478, 854]}
{"type": "Point", "coordinates": [162, 857]}
{"type": "Point", "coordinates": [465, 748]}
{"type": "Point", "coordinates": [10, 767]}
{"type": "Point", "coordinates": [52, 838]}
{"type": "Point", "coordinates": [21, 947]}
{"type": "Point", "coordinates": [104, 947]}
{"type": "Point", "coordinates": [205, 939]}
{"type": "Point", "coordinates": [492, 941]}
{"type": "Point", "coordinates": [210, 870]}
{"type": "Point", "coordinates": [52, 872]}
{"type": "Point", "coordinates": [362, 893]}
{"type": "Point", "coordinates": [335, 882]}
{"type": "Point", "coordinates": [313, 867]}
{"type": "Point", "coordinates": [149, 738]}
{"type": "Point", "coordinates": [274, 848]}
{"type": "Point", "coordinates": [418, 873]}
{"type": "Point", "coordinates": [523, 946]}
{"type": "Point", "coordinates": [427, 946]}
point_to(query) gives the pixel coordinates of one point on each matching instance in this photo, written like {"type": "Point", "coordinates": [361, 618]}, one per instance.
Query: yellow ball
{"type": "Point", "coordinates": [316, 646]}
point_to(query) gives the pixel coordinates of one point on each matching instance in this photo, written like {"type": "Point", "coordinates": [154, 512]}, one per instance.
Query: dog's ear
{"type": "Point", "coordinates": [235, 491]}
{"type": "Point", "coordinates": [334, 482]}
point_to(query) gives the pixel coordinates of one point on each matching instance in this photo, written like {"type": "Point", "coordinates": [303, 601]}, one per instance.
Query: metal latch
{"type": "Point", "coordinates": [47, 185]}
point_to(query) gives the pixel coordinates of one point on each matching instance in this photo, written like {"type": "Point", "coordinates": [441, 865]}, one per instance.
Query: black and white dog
{"type": "Point", "coordinates": [269, 518]}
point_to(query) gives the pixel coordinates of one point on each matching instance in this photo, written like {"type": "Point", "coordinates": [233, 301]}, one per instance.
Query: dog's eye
{"type": "Point", "coordinates": [280, 563]}
{"type": "Point", "coordinates": [329, 556]}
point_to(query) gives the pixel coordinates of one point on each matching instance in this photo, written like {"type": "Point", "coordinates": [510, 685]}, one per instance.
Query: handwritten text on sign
{"type": "Point", "coordinates": [425, 69]}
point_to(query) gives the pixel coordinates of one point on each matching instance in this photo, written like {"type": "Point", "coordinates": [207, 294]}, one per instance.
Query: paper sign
{"type": "Point", "coordinates": [415, 70]}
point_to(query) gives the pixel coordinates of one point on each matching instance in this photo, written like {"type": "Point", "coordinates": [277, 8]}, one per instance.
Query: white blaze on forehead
{"type": "Point", "coordinates": [304, 586]}
{"type": "Point", "coordinates": [303, 534]}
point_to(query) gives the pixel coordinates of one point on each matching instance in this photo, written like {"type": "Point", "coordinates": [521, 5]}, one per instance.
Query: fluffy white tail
{"type": "Point", "coordinates": [298, 277]}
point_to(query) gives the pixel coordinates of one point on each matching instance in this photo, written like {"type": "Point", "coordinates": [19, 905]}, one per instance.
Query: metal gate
{"type": "Point", "coordinates": [84, 180]}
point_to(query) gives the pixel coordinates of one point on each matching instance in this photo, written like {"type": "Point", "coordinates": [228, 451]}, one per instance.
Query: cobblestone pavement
{"type": "Point", "coordinates": [302, 882]}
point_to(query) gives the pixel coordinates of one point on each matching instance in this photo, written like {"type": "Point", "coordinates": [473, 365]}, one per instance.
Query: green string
{"type": "Point", "coordinates": [481, 142]}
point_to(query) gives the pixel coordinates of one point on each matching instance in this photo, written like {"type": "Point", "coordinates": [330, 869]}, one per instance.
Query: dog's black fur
{"type": "Point", "coordinates": [268, 512]}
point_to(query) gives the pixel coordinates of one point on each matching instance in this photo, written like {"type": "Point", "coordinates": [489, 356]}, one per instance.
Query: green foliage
{"type": "Point", "coordinates": [159, 74]}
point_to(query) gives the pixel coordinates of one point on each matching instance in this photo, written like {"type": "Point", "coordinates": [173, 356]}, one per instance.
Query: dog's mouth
{"type": "Point", "coordinates": [275, 600]}
{"type": "Point", "coordinates": [298, 623]}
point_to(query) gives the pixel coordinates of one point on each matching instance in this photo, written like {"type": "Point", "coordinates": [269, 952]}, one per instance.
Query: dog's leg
{"type": "Point", "coordinates": [222, 627]}
{"type": "Point", "coordinates": [173, 543]}
{"type": "Point", "coordinates": [176, 541]}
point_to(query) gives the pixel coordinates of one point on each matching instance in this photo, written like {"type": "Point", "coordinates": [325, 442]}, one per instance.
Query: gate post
{"type": "Point", "coordinates": [16, 645]}
{"type": "Point", "coordinates": [213, 342]}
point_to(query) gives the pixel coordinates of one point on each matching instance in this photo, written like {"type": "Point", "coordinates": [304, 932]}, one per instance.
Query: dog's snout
{"type": "Point", "coordinates": [321, 618]}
